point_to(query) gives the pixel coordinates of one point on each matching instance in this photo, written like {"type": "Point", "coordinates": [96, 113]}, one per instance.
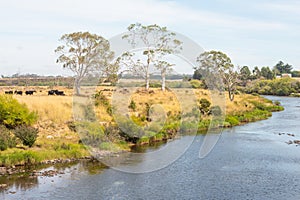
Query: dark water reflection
{"type": "Point", "coordinates": [249, 162]}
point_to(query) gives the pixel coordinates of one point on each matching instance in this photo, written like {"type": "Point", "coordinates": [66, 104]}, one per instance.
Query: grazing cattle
{"type": "Point", "coordinates": [30, 92]}
{"type": "Point", "coordinates": [51, 92]}
{"type": "Point", "coordinates": [9, 92]}
{"type": "Point", "coordinates": [18, 92]}
{"type": "Point", "coordinates": [56, 92]}
{"type": "Point", "coordinates": [60, 93]}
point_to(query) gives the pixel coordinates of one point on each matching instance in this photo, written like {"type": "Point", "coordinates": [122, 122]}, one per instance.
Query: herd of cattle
{"type": "Point", "coordinates": [31, 92]}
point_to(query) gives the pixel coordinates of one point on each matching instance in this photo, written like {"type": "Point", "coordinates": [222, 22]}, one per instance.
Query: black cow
{"type": "Point", "coordinates": [56, 92]}
{"type": "Point", "coordinates": [30, 92]}
{"type": "Point", "coordinates": [51, 92]}
{"type": "Point", "coordinates": [60, 93]}
{"type": "Point", "coordinates": [19, 92]}
{"type": "Point", "coordinates": [9, 92]}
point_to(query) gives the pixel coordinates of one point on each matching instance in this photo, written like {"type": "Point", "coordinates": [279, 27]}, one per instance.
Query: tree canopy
{"type": "Point", "coordinates": [282, 68]}
{"type": "Point", "coordinates": [157, 42]}
{"type": "Point", "coordinates": [215, 65]}
{"type": "Point", "coordinates": [84, 54]}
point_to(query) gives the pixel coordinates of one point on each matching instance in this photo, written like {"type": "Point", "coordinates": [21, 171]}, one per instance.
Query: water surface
{"type": "Point", "coordinates": [249, 162]}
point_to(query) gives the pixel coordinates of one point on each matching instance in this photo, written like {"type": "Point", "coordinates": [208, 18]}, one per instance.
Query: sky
{"type": "Point", "coordinates": [253, 33]}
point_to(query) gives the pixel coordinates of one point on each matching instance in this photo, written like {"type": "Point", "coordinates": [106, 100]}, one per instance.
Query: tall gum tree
{"type": "Point", "coordinates": [157, 42]}
{"type": "Point", "coordinates": [84, 54]}
{"type": "Point", "coordinates": [215, 64]}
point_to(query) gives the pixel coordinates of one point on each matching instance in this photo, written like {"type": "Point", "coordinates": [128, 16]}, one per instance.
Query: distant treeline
{"type": "Point", "coordinates": [37, 81]}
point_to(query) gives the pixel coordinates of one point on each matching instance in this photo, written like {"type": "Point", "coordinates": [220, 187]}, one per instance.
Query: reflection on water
{"type": "Point", "coordinates": [19, 182]}
{"type": "Point", "coordinates": [148, 148]}
{"type": "Point", "coordinates": [38, 174]}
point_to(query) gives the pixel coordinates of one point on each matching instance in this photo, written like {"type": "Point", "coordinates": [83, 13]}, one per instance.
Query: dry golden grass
{"type": "Point", "coordinates": [57, 109]}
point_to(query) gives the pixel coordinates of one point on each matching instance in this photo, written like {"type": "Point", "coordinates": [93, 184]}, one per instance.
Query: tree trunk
{"type": "Point", "coordinates": [163, 80]}
{"type": "Point", "coordinates": [231, 94]}
{"type": "Point", "coordinates": [77, 86]}
{"type": "Point", "coordinates": [147, 81]}
{"type": "Point", "coordinates": [147, 73]}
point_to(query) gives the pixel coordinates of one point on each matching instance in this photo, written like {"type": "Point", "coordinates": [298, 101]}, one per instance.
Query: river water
{"type": "Point", "coordinates": [252, 161]}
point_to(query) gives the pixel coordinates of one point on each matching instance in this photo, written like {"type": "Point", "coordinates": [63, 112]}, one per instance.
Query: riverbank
{"type": "Point", "coordinates": [59, 141]}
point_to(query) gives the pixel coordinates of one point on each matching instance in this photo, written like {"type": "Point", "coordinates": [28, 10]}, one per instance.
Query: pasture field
{"type": "Point", "coordinates": [55, 113]}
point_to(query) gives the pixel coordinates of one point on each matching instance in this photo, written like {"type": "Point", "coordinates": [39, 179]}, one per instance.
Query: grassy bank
{"type": "Point", "coordinates": [59, 136]}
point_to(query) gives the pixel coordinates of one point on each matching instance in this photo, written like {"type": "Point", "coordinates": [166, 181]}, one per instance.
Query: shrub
{"type": "Point", "coordinates": [109, 146]}
{"type": "Point", "coordinates": [204, 106]}
{"type": "Point", "coordinates": [13, 114]}
{"type": "Point", "coordinates": [91, 133]}
{"type": "Point", "coordinates": [197, 84]}
{"type": "Point", "coordinates": [89, 113]}
{"type": "Point", "coordinates": [6, 140]}
{"type": "Point", "coordinates": [216, 111]}
{"type": "Point", "coordinates": [232, 120]}
{"type": "Point", "coordinates": [203, 125]}
{"type": "Point", "coordinates": [101, 99]}
{"type": "Point", "coordinates": [132, 105]}
{"type": "Point", "coordinates": [26, 134]}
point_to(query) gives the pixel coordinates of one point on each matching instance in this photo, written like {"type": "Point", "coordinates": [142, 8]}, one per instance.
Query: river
{"type": "Point", "coordinates": [252, 161]}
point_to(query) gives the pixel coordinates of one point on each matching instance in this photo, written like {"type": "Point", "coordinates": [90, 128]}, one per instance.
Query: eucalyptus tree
{"type": "Point", "coordinates": [281, 68]}
{"type": "Point", "coordinates": [84, 54]}
{"type": "Point", "coordinates": [267, 73]}
{"type": "Point", "coordinates": [156, 42]}
{"type": "Point", "coordinates": [244, 75]}
{"type": "Point", "coordinates": [215, 64]}
{"type": "Point", "coordinates": [164, 67]}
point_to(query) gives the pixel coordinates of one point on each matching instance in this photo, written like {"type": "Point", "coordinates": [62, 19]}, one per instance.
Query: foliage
{"type": "Point", "coordinates": [108, 146]}
{"type": "Point", "coordinates": [218, 71]}
{"type": "Point", "coordinates": [204, 106]}
{"type": "Point", "coordinates": [101, 99]}
{"type": "Point", "coordinates": [13, 114]}
{"type": "Point", "coordinates": [26, 134]}
{"type": "Point", "coordinates": [216, 111]}
{"type": "Point", "coordinates": [245, 73]}
{"type": "Point", "coordinates": [158, 42]}
{"type": "Point", "coordinates": [281, 68]}
{"type": "Point", "coordinates": [197, 84]}
{"type": "Point", "coordinates": [295, 73]}
{"type": "Point", "coordinates": [267, 73]}
{"type": "Point", "coordinates": [132, 105]}
{"type": "Point", "coordinates": [232, 120]}
{"type": "Point", "coordinates": [84, 53]}
{"type": "Point", "coordinates": [256, 73]}
{"type": "Point", "coordinates": [197, 74]}
{"type": "Point", "coordinates": [91, 133]}
{"type": "Point", "coordinates": [279, 87]}
{"type": "Point", "coordinates": [6, 140]}
{"type": "Point", "coordinates": [129, 130]}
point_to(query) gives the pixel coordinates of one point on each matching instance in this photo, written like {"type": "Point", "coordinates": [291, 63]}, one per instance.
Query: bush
{"type": "Point", "coordinates": [101, 99]}
{"type": "Point", "coordinates": [26, 134]}
{"type": "Point", "coordinates": [196, 84]}
{"type": "Point", "coordinates": [132, 105]}
{"type": "Point", "coordinates": [204, 106]}
{"type": "Point", "coordinates": [6, 140]}
{"type": "Point", "coordinates": [232, 120]}
{"type": "Point", "coordinates": [91, 133]}
{"type": "Point", "coordinates": [13, 114]}
{"type": "Point", "coordinates": [216, 111]}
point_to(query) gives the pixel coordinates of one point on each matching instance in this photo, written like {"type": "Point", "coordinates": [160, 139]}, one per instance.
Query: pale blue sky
{"type": "Point", "coordinates": [253, 33]}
